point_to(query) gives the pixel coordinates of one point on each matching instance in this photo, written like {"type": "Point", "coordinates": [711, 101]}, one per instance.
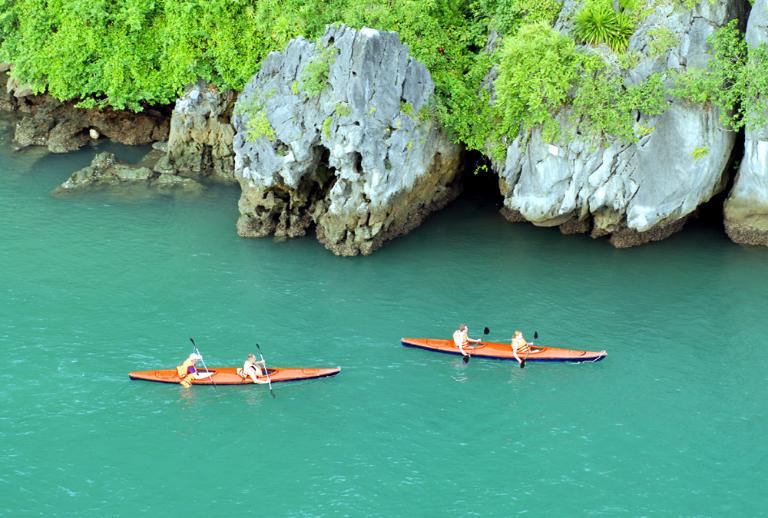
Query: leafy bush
{"type": "Point", "coordinates": [257, 124]}
{"type": "Point", "coordinates": [508, 15]}
{"type": "Point", "coordinates": [314, 77]}
{"type": "Point", "coordinates": [598, 23]}
{"type": "Point", "coordinates": [538, 67]}
{"type": "Point", "coordinates": [607, 108]}
{"type": "Point", "coordinates": [725, 82]}
{"type": "Point", "coordinates": [661, 40]}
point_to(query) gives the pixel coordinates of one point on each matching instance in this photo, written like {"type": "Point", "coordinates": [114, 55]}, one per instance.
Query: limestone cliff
{"type": "Point", "coordinates": [634, 192]}
{"type": "Point", "coordinates": [200, 138]}
{"type": "Point", "coordinates": [339, 134]}
{"type": "Point", "coordinates": [746, 210]}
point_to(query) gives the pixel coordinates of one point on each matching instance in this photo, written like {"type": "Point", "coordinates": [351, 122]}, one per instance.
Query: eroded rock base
{"type": "Point", "coordinates": [106, 171]}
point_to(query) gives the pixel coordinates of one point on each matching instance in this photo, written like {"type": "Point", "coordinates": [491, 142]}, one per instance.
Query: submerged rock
{"type": "Point", "coordinates": [106, 171]}
{"type": "Point", "coordinates": [338, 134]}
{"type": "Point", "coordinates": [200, 138]}
{"type": "Point", "coordinates": [746, 209]}
{"type": "Point", "coordinates": [631, 192]}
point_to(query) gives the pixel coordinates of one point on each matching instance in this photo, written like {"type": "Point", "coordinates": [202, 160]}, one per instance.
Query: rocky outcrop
{"type": "Point", "coordinates": [61, 127]}
{"type": "Point", "coordinates": [7, 100]}
{"type": "Point", "coordinates": [338, 134]}
{"type": "Point", "coordinates": [746, 209]}
{"type": "Point", "coordinates": [632, 192]}
{"type": "Point", "coordinates": [200, 138]}
{"type": "Point", "coordinates": [106, 171]}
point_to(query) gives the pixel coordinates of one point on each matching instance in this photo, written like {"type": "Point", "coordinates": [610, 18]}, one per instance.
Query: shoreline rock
{"type": "Point", "coordinates": [62, 127]}
{"type": "Point", "coordinates": [200, 138]}
{"type": "Point", "coordinates": [632, 193]}
{"type": "Point", "coordinates": [338, 135]}
{"type": "Point", "coordinates": [106, 171]}
{"type": "Point", "coordinates": [746, 209]}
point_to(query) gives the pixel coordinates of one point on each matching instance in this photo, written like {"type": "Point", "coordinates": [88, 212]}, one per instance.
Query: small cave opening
{"type": "Point", "coordinates": [314, 189]}
{"type": "Point", "coordinates": [480, 180]}
{"type": "Point", "coordinates": [711, 213]}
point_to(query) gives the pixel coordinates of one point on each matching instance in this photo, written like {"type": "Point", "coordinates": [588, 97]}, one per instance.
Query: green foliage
{"type": "Point", "coordinates": [257, 124]}
{"type": "Point", "coordinates": [406, 108]}
{"type": "Point", "coordinates": [134, 53]}
{"type": "Point", "coordinates": [700, 152]}
{"type": "Point", "coordinates": [125, 54]}
{"type": "Point", "coordinates": [327, 127]}
{"type": "Point", "coordinates": [598, 23]}
{"type": "Point", "coordinates": [538, 67]}
{"type": "Point", "coordinates": [343, 109]}
{"type": "Point", "coordinates": [314, 77]}
{"type": "Point", "coordinates": [754, 95]}
{"type": "Point", "coordinates": [661, 40]}
{"type": "Point", "coordinates": [725, 82]}
{"type": "Point", "coordinates": [607, 108]}
{"type": "Point", "coordinates": [508, 15]}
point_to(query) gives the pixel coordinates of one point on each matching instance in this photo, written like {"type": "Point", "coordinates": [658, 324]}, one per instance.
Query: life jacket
{"type": "Point", "coordinates": [523, 347]}
{"type": "Point", "coordinates": [183, 369]}
{"type": "Point", "coordinates": [463, 338]}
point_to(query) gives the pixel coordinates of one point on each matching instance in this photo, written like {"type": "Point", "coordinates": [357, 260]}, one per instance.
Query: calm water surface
{"type": "Point", "coordinates": [95, 285]}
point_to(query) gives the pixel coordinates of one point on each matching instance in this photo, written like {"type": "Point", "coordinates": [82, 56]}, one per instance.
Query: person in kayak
{"type": "Point", "coordinates": [520, 346]}
{"type": "Point", "coordinates": [461, 339]}
{"type": "Point", "coordinates": [253, 369]}
{"type": "Point", "coordinates": [187, 371]}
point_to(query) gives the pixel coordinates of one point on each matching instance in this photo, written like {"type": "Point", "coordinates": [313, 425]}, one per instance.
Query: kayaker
{"type": "Point", "coordinates": [461, 339]}
{"type": "Point", "coordinates": [253, 369]}
{"type": "Point", "coordinates": [187, 371]}
{"type": "Point", "coordinates": [520, 346]}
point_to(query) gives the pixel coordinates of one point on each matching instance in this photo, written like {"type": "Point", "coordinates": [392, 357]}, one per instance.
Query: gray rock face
{"type": "Point", "coordinates": [200, 138]}
{"type": "Point", "coordinates": [362, 159]}
{"type": "Point", "coordinates": [746, 210]}
{"type": "Point", "coordinates": [106, 171]}
{"type": "Point", "coordinates": [632, 192]}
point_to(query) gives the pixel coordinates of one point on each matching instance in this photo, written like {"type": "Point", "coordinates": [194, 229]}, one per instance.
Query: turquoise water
{"type": "Point", "coordinates": [93, 286]}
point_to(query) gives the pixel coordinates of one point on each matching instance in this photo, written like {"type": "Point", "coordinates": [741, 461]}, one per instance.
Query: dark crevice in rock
{"type": "Point", "coordinates": [286, 212]}
{"type": "Point", "coordinates": [710, 214]}
{"type": "Point", "coordinates": [480, 181]}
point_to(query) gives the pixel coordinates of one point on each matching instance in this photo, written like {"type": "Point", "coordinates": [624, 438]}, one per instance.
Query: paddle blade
{"type": "Point", "coordinates": [273, 394]}
{"type": "Point", "coordinates": [522, 364]}
{"type": "Point", "coordinates": [466, 359]}
{"type": "Point", "coordinates": [535, 335]}
{"type": "Point", "coordinates": [486, 331]}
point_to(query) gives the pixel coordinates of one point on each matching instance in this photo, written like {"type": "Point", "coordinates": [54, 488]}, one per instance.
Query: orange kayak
{"type": "Point", "coordinates": [229, 376]}
{"type": "Point", "coordinates": [497, 351]}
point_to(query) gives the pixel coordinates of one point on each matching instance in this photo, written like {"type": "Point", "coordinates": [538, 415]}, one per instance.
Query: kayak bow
{"type": "Point", "coordinates": [497, 351]}
{"type": "Point", "coordinates": [229, 375]}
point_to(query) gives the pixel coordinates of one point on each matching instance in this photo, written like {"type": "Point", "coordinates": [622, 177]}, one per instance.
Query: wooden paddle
{"type": "Point", "coordinates": [269, 380]}
{"type": "Point", "coordinates": [197, 351]}
{"type": "Point", "coordinates": [485, 333]}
